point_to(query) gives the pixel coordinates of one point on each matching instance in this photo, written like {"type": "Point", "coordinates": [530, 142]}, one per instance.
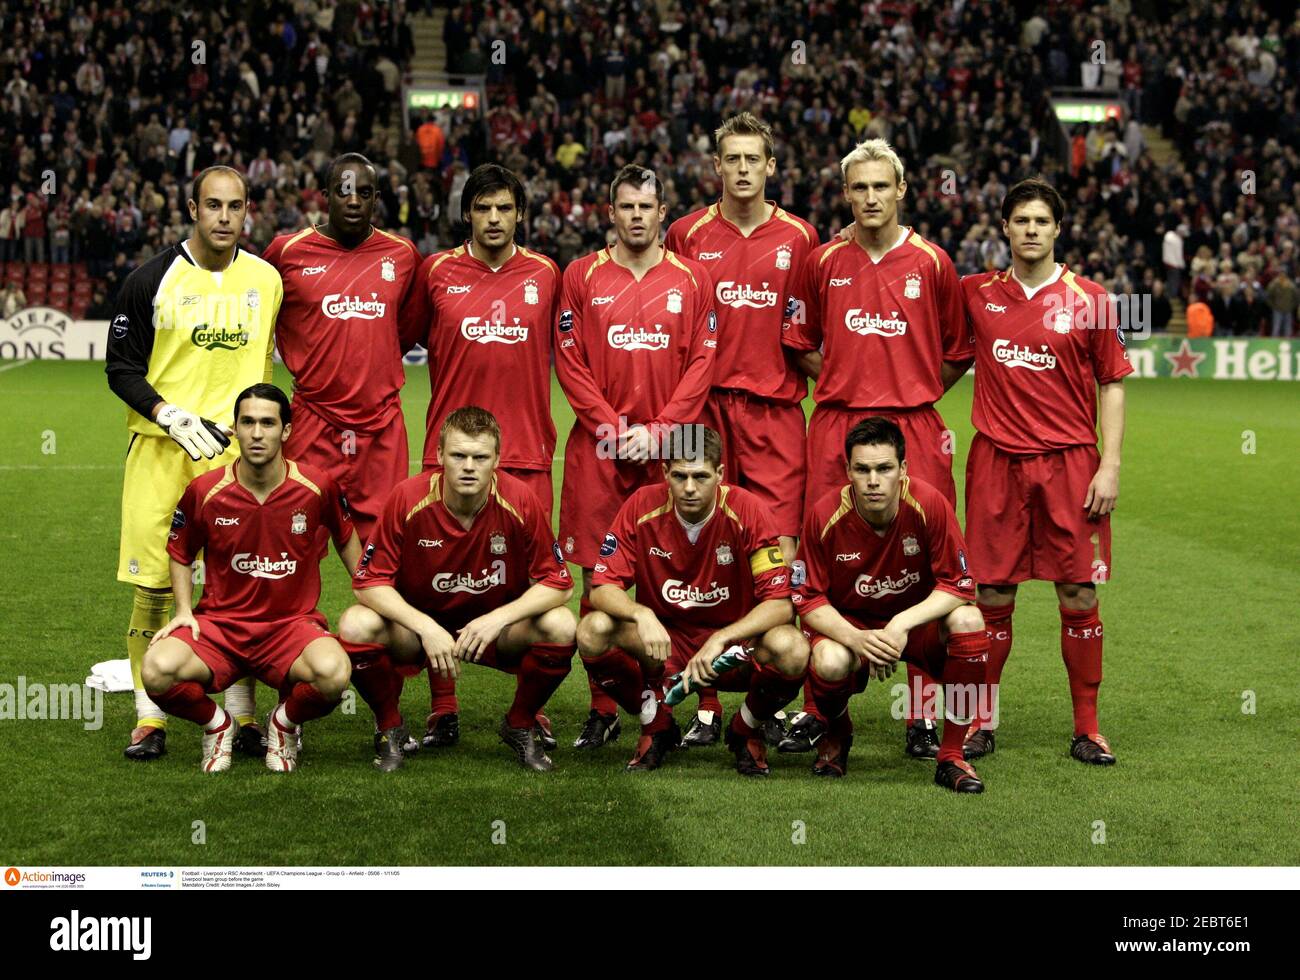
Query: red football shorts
{"type": "Point", "coordinates": [539, 482]}
{"type": "Point", "coordinates": [593, 491]}
{"type": "Point", "coordinates": [1025, 516]}
{"type": "Point", "coordinates": [925, 648]}
{"type": "Point", "coordinates": [366, 465]}
{"type": "Point", "coordinates": [763, 451]}
{"type": "Point", "coordinates": [235, 648]}
{"type": "Point", "coordinates": [926, 440]}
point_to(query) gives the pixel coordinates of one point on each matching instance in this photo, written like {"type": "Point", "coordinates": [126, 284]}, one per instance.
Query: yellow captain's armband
{"type": "Point", "coordinates": [764, 560]}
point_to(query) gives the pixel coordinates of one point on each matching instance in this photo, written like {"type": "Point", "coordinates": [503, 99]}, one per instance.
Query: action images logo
{"type": "Point", "coordinates": [218, 338]}
{"type": "Point", "coordinates": [258, 567]}
{"type": "Point", "coordinates": [489, 578]}
{"type": "Point", "coordinates": [739, 295]}
{"type": "Point", "coordinates": [874, 323]}
{"type": "Point", "coordinates": [691, 596]}
{"type": "Point", "coordinates": [487, 332]}
{"type": "Point", "coordinates": [623, 337]}
{"type": "Point", "coordinates": [340, 307]}
{"type": "Point", "coordinates": [1014, 356]}
{"type": "Point", "coordinates": [873, 588]}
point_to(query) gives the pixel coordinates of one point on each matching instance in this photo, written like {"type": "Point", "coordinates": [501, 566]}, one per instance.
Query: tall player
{"type": "Point", "coordinates": [882, 576]}
{"type": "Point", "coordinates": [709, 575]}
{"type": "Point", "coordinates": [1051, 364]}
{"type": "Point", "coordinates": [635, 344]}
{"type": "Point", "coordinates": [490, 311]}
{"type": "Point", "coordinates": [463, 566]}
{"type": "Point", "coordinates": [752, 249]}
{"type": "Point", "coordinates": [261, 522]}
{"type": "Point", "coordinates": [191, 328]}
{"type": "Point", "coordinates": [883, 334]}
{"type": "Point", "coordinates": [350, 310]}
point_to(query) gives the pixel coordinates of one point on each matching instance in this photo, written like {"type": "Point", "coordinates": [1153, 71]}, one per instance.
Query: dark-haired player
{"type": "Point", "coordinates": [881, 577]}
{"type": "Point", "coordinates": [709, 576]}
{"type": "Point", "coordinates": [490, 309]}
{"type": "Point", "coordinates": [261, 522]}
{"type": "Point", "coordinates": [192, 327]}
{"type": "Point", "coordinates": [752, 249]}
{"type": "Point", "coordinates": [463, 566]}
{"type": "Point", "coordinates": [635, 344]}
{"type": "Point", "coordinates": [883, 334]}
{"type": "Point", "coordinates": [350, 310]}
{"type": "Point", "coordinates": [1051, 364]}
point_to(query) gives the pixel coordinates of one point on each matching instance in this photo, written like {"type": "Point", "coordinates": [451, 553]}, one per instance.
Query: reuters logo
{"type": "Point", "coordinates": [12, 877]}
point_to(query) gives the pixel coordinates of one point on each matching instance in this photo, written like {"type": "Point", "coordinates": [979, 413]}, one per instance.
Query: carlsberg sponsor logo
{"type": "Point", "coordinates": [688, 596]}
{"type": "Point", "coordinates": [467, 582]}
{"type": "Point", "coordinates": [218, 338]}
{"type": "Point", "coordinates": [99, 933]}
{"type": "Point", "coordinates": [1016, 355]}
{"type": "Point", "coordinates": [259, 567]}
{"type": "Point", "coordinates": [353, 307]}
{"type": "Point", "coordinates": [873, 588]}
{"type": "Point", "coordinates": [873, 323]}
{"type": "Point", "coordinates": [487, 332]}
{"type": "Point", "coordinates": [743, 294]}
{"type": "Point", "coordinates": [623, 337]}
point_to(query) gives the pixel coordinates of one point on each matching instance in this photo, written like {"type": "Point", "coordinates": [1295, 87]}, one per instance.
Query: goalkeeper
{"type": "Point", "coordinates": [192, 327]}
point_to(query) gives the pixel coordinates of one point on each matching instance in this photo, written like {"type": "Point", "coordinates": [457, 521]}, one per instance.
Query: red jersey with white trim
{"type": "Point", "coordinates": [734, 564]}
{"type": "Point", "coordinates": [489, 342]}
{"type": "Point", "coordinates": [868, 576]}
{"type": "Point", "coordinates": [640, 350]}
{"type": "Point", "coordinates": [346, 318]}
{"type": "Point", "coordinates": [1038, 361]}
{"type": "Point", "coordinates": [884, 329]}
{"type": "Point", "coordinates": [260, 561]}
{"type": "Point", "coordinates": [453, 574]}
{"type": "Point", "coordinates": [752, 279]}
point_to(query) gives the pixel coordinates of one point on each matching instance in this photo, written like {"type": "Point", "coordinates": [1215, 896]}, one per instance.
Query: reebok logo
{"type": "Point", "coordinates": [854, 556]}
{"type": "Point", "coordinates": [601, 300]}
{"type": "Point", "coordinates": [313, 270]}
{"type": "Point", "coordinates": [708, 256]}
{"type": "Point", "coordinates": [430, 542]}
{"type": "Point", "coordinates": [994, 308]}
{"type": "Point", "coordinates": [456, 290]}
{"type": "Point", "coordinates": [846, 281]}
{"type": "Point", "coordinates": [660, 553]}
{"type": "Point", "coordinates": [133, 934]}
{"type": "Point", "coordinates": [227, 522]}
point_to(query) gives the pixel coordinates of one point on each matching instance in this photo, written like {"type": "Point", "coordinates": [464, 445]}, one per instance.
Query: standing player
{"type": "Point", "coordinates": [751, 248]}
{"type": "Point", "coordinates": [191, 327]}
{"type": "Point", "coordinates": [883, 334]}
{"type": "Point", "coordinates": [709, 575]}
{"type": "Point", "coordinates": [471, 546]}
{"type": "Point", "coordinates": [261, 523]}
{"type": "Point", "coordinates": [635, 343]}
{"type": "Point", "coordinates": [490, 311]}
{"type": "Point", "coordinates": [881, 577]}
{"type": "Point", "coordinates": [350, 310]}
{"type": "Point", "coordinates": [1038, 494]}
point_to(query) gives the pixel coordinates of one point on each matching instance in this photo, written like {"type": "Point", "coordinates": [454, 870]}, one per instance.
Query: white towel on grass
{"type": "Point", "coordinates": [111, 676]}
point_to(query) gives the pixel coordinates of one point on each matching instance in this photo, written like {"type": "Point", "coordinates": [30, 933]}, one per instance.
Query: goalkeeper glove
{"type": "Point", "coordinates": [728, 659]}
{"type": "Point", "coordinates": [196, 435]}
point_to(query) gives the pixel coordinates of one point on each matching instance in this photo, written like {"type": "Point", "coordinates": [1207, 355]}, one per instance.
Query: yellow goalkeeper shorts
{"type": "Point", "coordinates": [157, 473]}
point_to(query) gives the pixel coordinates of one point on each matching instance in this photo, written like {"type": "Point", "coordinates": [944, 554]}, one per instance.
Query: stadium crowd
{"type": "Point", "coordinates": [110, 101]}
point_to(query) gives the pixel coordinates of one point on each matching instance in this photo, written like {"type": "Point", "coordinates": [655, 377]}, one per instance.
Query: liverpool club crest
{"type": "Point", "coordinates": [912, 286]}
{"type": "Point", "coordinates": [724, 555]}
{"type": "Point", "coordinates": [498, 544]}
{"type": "Point", "coordinates": [530, 292]}
{"type": "Point", "coordinates": [783, 257]}
{"type": "Point", "coordinates": [674, 301]}
{"type": "Point", "coordinates": [387, 270]}
{"type": "Point", "coordinates": [910, 547]}
{"type": "Point", "coordinates": [299, 523]}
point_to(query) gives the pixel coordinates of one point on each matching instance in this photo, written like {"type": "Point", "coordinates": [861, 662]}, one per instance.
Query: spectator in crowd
{"type": "Point", "coordinates": [11, 300]}
{"type": "Point", "coordinates": [1253, 314]}
{"type": "Point", "coordinates": [11, 227]}
{"type": "Point", "coordinates": [1283, 298]}
{"type": "Point", "coordinates": [34, 229]}
{"type": "Point", "coordinates": [1171, 253]}
{"type": "Point", "coordinates": [1200, 320]}
{"type": "Point", "coordinates": [1161, 309]}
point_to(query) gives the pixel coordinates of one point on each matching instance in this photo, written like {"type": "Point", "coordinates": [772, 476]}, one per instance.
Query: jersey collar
{"type": "Point", "coordinates": [1031, 291]}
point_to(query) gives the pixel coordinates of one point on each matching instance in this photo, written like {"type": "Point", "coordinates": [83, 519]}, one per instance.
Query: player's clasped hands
{"type": "Point", "coordinates": [634, 445]}
{"type": "Point", "coordinates": [476, 636]}
{"type": "Point", "coordinates": [441, 649]}
{"type": "Point", "coordinates": [882, 649]}
{"type": "Point", "coordinates": [176, 623]}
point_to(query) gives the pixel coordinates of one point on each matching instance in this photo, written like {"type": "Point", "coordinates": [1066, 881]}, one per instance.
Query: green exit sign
{"type": "Point", "coordinates": [442, 98]}
{"type": "Point", "coordinates": [1089, 112]}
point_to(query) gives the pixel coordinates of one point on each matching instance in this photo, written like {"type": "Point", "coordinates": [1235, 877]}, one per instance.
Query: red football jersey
{"type": "Point", "coordinates": [347, 316]}
{"type": "Point", "coordinates": [489, 342]}
{"type": "Point", "coordinates": [752, 279]}
{"type": "Point", "coordinates": [733, 565]}
{"type": "Point", "coordinates": [1038, 361]}
{"type": "Point", "coordinates": [867, 576]}
{"type": "Point", "coordinates": [884, 329]}
{"type": "Point", "coordinates": [419, 548]}
{"type": "Point", "coordinates": [641, 350]}
{"type": "Point", "coordinates": [260, 561]}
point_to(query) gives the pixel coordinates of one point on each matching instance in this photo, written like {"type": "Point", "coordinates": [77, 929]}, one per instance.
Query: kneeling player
{"type": "Point", "coordinates": [881, 577]}
{"type": "Point", "coordinates": [472, 546]}
{"type": "Point", "coordinates": [261, 523]}
{"type": "Point", "coordinates": [707, 565]}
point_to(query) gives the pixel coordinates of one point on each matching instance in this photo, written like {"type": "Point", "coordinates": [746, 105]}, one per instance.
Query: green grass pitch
{"type": "Point", "coordinates": [1201, 611]}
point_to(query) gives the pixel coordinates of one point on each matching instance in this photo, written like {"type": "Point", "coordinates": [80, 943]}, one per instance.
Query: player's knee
{"type": "Point", "coordinates": [831, 661]}
{"type": "Point", "coordinates": [785, 649]}
{"type": "Point", "coordinates": [997, 595]}
{"type": "Point", "coordinates": [333, 671]}
{"type": "Point", "coordinates": [360, 624]}
{"type": "Point", "coordinates": [557, 626]}
{"type": "Point", "coordinates": [1076, 595]}
{"type": "Point", "coordinates": [155, 673]}
{"type": "Point", "coordinates": [965, 619]}
{"type": "Point", "coordinates": [595, 633]}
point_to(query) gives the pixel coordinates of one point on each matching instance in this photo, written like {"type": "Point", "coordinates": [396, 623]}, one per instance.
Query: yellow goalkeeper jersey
{"type": "Point", "coordinates": [194, 338]}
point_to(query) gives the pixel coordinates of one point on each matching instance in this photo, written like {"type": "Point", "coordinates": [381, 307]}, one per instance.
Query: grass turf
{"type": "Point", "coordinates": [1201, 610]}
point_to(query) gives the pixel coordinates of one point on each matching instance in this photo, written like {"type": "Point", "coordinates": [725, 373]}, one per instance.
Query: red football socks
{"type": "Point", "coordinates": [1081, 651]}
{"type": "Point", "coordinates": [964, 673]}
{"type": "Point", "coordinates": [829, 698]}
{"type": "Point", "coordinates": [377, 681]}
{"type": "Point", "coordinates": [442, 694]}
{"type": "Point", "coordinates": [997, 623]}
{"type": "Point", "coordinates": [600, 699]}
{"type": "Point", "coordinates": [542, 670]}
{"type": "Point", "coordinates": [921, 694]}
{"type": "Point", "coordinates": [619, 677]}
{"type": "Point", "coordinates": [187, 700]}
{"type": "Point", "coordinates": [769, 692]}
{"type": "Point", "coordinates": [305, 703]}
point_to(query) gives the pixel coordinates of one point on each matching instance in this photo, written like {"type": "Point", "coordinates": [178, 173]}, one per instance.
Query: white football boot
{"type": "Point", "coordinates": [282, 745]}
{"type": "Point", "coordinates": [217, 746]}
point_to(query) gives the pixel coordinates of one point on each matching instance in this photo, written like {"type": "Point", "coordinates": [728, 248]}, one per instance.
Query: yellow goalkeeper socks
{"type": "Point", "coordinates": [148, 615]}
